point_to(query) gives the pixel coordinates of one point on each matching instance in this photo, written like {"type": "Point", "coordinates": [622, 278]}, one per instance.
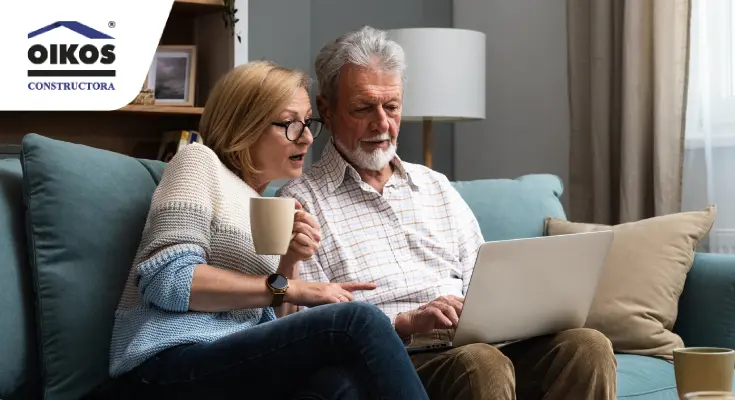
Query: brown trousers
{"type": "Point", "coordinates": [577, 364]}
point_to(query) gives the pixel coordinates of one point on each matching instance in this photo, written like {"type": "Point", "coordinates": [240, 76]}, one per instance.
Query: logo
{"type": "Point", "coordinates": [79, 55]}
{"type": "Point", "coordinates": [92, 56]}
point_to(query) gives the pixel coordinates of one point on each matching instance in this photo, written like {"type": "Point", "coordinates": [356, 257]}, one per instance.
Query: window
{"type": "Point", "coordinates": [709, 156]}
{"type": "Point", "coordinates": [711, 100]}
{"type": "Point", "coordinates": [722, 33]}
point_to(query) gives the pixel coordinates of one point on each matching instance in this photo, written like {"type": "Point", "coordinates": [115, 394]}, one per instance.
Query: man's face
{"type": "Point", "coordinates": [366, 117]}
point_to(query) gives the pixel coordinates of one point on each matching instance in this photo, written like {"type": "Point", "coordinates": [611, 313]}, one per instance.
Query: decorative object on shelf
{"type": "Point", "coordinates": [172, 75]}
{"type": "Point", "coordinates": [230, 17]}
{"type": "Point", "coordinates": [146, 96]}
{"type": "Point", "coordinates": [173, 141]}
{"type": "Point", "coordinates": [445, 77]}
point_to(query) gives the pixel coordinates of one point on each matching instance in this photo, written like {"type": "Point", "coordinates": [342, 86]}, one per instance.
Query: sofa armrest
{"type": "Point", "coordinates": [707, 305]}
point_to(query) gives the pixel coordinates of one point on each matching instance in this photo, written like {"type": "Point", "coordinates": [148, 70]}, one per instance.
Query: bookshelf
{"type": "Point", "coordinates": [137, 129]}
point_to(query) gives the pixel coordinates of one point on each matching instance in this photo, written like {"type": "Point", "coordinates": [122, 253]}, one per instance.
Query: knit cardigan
{"type": "Point", "coordinates": [199, 214]}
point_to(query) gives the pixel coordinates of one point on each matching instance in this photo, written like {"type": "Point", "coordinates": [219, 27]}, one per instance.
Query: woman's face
{"type": "Point", "coordinates": [274, 155]}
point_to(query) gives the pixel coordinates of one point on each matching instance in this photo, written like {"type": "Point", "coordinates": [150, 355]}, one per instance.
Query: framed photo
{"type": "Point", "coordinates": [172, 75]}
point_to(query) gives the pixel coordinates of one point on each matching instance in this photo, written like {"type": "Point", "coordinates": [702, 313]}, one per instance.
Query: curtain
{"type": "Point", "coordinates": [709, 156]}
{"type": "Point", "coordinates": [627, 76]}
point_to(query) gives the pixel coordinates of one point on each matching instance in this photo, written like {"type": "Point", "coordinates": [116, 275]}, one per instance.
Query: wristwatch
{"type": "Point", "coordinates": [278, 284]}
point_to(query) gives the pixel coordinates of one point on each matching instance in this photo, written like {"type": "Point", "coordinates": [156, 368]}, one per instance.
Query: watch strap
{"type": "Point", "coordinates": [278, 298]}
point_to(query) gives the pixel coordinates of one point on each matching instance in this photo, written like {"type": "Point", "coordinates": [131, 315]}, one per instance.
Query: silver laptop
{"type": "Point", "coordinates": [523, 288]}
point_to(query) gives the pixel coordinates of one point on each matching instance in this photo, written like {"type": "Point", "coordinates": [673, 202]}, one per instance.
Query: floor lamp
{"type": "Point", "coordinates": [445, 77]}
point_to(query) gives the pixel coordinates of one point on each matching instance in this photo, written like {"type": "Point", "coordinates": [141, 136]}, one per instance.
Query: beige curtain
{"type": "Point", "coordinates": [627, 85]}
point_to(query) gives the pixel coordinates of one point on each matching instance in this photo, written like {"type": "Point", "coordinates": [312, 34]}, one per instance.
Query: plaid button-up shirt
{"type": "Point", "coordinates": [416, 241]}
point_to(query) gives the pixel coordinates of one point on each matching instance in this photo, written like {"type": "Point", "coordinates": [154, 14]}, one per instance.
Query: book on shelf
{"type": "Point", "coordinates": [173, 141]}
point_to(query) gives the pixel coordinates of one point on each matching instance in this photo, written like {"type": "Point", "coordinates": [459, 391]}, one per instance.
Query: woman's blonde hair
{"type": "Point", "coordinates": [242, 105]}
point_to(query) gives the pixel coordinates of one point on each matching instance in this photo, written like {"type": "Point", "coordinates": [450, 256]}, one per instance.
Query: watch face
{"type": "Point", "coordinates": [278, 282]}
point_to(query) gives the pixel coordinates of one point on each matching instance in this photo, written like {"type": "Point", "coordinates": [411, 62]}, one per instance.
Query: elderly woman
{"type": "Point", "coordinates": [198, 315]}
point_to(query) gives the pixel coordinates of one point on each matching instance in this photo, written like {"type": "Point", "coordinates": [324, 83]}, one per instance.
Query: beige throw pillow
{"type": "Point", "coordinates": [637, 299]}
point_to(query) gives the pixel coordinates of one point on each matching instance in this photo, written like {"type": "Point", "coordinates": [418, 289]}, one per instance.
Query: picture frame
{"type": "Point", "coordinates": [172, 75]}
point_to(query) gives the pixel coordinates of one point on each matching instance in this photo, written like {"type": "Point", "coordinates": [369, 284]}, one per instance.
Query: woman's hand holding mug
{"type": "Point", "coordinates": [306, 236]}
{"type": "Point", "coordinates": [280, 226]}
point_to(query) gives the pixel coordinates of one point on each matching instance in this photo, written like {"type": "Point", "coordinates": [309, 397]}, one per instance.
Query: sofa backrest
{"type": "Point", "coordinates": [513, 208]}
{"type": "Point", "coordinates": [19, 375]}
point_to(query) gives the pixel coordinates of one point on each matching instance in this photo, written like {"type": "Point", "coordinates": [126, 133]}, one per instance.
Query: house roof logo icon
{"type": "Point", "coordinates": [78, 27]}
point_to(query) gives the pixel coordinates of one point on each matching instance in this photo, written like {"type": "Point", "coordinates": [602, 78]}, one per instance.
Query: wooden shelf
{"type": "Point", "coordinates": [163, 109]}
{"type": "Point", "coordinates": [198, 6]}
{"type": "Point", "coordinates": [132, 133]}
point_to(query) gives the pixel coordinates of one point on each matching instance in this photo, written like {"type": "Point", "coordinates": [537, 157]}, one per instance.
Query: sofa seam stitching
{"type": "Point", "coordinates": [34, 270]}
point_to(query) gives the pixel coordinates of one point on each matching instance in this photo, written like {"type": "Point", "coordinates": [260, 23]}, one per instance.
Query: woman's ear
{"type": "Point", "coordinates": [324, 111]}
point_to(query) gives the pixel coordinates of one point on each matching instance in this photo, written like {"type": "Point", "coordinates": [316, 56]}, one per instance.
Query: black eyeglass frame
{"type": "Point", "coordinates": [304, 124]}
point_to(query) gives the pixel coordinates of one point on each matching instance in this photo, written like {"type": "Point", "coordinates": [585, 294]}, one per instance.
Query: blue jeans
{"type": "Point", "coordinates": [338, 351]}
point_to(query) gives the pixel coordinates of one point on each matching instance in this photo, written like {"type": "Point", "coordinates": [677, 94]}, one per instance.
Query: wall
{"type": "Point", "coordinates": [308, 24]}
{"type": "Point", "coordinates": [241, 28]}
{"type": "Point", "coordinates": [527, 124]}
{"type": "Point", "coordinates": [280, 31]}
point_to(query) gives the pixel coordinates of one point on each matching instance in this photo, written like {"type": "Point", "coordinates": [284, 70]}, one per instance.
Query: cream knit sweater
{"type": "Point", "coordinates": [199, 214]}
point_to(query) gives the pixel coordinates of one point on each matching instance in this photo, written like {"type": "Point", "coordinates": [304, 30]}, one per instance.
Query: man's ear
{"type": "Point", "coordinates": [323, 106]}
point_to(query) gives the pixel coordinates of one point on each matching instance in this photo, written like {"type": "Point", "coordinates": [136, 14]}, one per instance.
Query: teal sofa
{"type": "Point", "coordinates": [71, 218]}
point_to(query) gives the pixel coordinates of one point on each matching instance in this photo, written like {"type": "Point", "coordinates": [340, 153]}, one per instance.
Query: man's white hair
{"type": "Point", "coordinates": [365, 47]}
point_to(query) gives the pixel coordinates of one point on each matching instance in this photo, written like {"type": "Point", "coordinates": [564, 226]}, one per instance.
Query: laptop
{"type": "Point", "coordinates": [524, 288]}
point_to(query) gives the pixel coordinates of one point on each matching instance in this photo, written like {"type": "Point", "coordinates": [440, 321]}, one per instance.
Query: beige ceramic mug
{"type": "Point", "coordinates": [703, 369]}
{"type": "Point", "coordinates": [271, 224]}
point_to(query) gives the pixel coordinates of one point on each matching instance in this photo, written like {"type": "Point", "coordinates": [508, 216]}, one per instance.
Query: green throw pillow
{"type": "Point", "coordinates": [86, 211]}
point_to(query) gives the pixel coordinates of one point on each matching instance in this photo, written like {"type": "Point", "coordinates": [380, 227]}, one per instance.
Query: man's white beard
{"type": "Point", "coordinates": [373, 161]}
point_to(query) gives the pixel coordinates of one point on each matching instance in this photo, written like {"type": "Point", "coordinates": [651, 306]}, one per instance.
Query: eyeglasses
{"type": "Point", "coordinates": [294, 129]}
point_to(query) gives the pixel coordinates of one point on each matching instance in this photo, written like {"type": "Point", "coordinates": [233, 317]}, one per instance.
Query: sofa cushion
{"type": "Point", "coordinates": [18, 364]}
{"type": "Point", "coordinates": [646, 378]}
{"type": "Point", "coordinates": [641, 377]}
{"type": "Point", "coordinates": [86, 211]}
{"type": "Point", "coordinates": [636, 303]}
{"type": "Point", "coordinates": [513, 208]}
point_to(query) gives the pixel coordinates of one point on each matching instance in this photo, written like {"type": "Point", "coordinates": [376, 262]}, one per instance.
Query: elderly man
{"type": "Point", "coordinates": [405, 228]}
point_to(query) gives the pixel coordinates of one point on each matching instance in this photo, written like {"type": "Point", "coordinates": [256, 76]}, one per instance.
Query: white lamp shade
{"type": "Point", "coordinates": [445, 75]}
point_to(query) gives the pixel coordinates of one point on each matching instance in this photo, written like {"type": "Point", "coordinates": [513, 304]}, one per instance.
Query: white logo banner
{"type": "Point", "coordinates": [77, 54]}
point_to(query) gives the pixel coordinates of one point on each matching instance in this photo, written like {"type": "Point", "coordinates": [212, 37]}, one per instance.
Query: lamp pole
{"type": "Point", "coordinates": [428, 144]}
